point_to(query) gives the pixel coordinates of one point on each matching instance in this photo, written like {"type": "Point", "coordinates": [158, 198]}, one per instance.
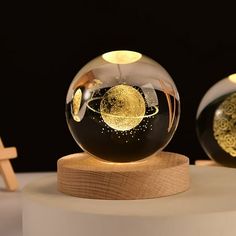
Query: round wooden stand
{"type": "Point", "coordinates": [83, 176]}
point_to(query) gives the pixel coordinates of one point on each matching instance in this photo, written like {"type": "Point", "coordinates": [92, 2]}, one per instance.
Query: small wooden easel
{"type": "Point", "coordinates": [6, 169]}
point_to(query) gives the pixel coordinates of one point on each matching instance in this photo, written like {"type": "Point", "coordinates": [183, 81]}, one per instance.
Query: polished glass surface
{"type": "Point", "coordinates": [216, 122]}
{"type": "Point", "coordinates": [122, 107]}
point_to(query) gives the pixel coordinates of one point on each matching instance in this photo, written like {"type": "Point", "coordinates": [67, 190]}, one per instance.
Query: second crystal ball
{"type": "Point", "coordinates": [122, 107]}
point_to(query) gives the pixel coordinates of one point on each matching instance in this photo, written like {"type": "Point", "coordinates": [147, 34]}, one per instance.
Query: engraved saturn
{"type": "Point", "coordinates": [122, 107]}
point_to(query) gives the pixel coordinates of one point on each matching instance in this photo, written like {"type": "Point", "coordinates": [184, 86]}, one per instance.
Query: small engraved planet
{"type": "Point", "coordinates": [76, 104]}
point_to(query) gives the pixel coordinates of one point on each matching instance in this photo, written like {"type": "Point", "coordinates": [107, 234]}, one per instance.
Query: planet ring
{"type": "Point", "coordinates": [145, 116]}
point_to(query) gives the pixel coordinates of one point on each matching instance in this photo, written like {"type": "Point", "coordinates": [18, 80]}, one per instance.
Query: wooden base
{"type": "Point", "coordinates": [206, 163]}
{"type": "Point", "coordinates": [83, 176]}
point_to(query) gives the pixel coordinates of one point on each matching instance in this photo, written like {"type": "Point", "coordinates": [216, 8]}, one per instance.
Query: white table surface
{"type": "Point", "coordinates": [217, 182]}
{"type": "Point", "coordinates": [10, 205]}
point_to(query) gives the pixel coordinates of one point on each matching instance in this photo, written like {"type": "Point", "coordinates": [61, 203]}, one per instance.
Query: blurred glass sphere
{"type": "Point", "coordinates": [122, 107]}
{"type": "Point", "coordinates": [216, 122]}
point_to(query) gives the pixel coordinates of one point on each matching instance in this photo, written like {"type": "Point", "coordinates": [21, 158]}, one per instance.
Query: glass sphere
{"type": "Point", "coordinates": [216, 122]}
{"type": "Point", "coordinates": [122, 107]}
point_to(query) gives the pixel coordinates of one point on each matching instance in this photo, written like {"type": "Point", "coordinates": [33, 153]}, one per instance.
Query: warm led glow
{"type": "Point", "coordinates": [124, 163]}
{"type": "Point", "coordinates": [122, 57]}
{"type": "Point", "coordinates": [232, 78]}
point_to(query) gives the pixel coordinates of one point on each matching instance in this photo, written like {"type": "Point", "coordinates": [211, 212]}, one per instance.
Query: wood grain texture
{"type": "Point", "coordinates": [83, 176]}
{"type": "Point", "coordinates": [6, 169]}
{"type": "Point", "coordinates": [7, 153]}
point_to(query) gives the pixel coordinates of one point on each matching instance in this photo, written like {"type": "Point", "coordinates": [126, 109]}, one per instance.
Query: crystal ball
{"type": "Point", "coordinates": [216, 122]}
{"type": "Point", "coordinates": [122, 106]}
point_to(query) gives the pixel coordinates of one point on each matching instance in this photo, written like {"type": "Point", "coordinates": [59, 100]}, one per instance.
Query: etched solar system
{"type": "Point", "coordinates": [122, 107]}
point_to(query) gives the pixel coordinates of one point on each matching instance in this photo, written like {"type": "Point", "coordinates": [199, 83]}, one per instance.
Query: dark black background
{"type": "Point", "coordinates": [44, 45]}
